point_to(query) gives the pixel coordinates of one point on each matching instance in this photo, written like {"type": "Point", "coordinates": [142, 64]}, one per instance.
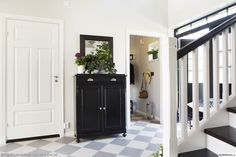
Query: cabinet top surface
{"type": "Point", "coordinates": [100, 75]}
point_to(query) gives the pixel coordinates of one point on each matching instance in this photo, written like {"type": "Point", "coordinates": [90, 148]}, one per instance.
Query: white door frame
{"type": "Point", "coordinates": [128, 34]}
{"type": "Point", "coordinates": [3, 50]}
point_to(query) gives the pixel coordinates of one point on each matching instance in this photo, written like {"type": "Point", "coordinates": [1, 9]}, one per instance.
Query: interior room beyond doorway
{"type": "Point", "coordinates": [144, 78]}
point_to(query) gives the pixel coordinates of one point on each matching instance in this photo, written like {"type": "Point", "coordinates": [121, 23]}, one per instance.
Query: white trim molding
{"type": "Point", "coordinates": [3, 20]}
{"type": "Point", "coordinates": [169, 96]}
{"type": "Point", "coordinates": [2, 85]}
{"type": "Point", "coordinates": [127, 57]}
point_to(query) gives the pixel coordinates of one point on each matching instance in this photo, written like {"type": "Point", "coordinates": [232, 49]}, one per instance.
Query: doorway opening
{"type": "Point", "coordinates": [144, 78]}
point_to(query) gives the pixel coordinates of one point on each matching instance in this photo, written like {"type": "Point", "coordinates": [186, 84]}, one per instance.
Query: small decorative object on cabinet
{"type": "Point", "coordinates": [100, 104]}
{"type": "Point", "coordinates": [79, 60]}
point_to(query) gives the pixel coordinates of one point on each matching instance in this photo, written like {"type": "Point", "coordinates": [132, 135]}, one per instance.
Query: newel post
{"type": "Point", "coordinates": [169, 96]}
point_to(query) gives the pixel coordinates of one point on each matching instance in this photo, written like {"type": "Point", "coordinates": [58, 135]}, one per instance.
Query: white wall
{"type": "Point", "coordinates": [100, 17]}
{"type": "Point", "coordinates": [183, 11]}
{"type": "Point", "coordinates": [141, 64]}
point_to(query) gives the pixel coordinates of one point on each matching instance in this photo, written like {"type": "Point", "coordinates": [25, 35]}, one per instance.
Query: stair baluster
{"type": "Point", "coordinates": [225, 67]}
{"type": "Point", "coordinates": [195, 90]}
{"type": "Point", "coordinates": [215, 52]}
{"type": "Point", "coordinates": [183, 97]}
{"type": "Point", "coordinates": [206, 84]}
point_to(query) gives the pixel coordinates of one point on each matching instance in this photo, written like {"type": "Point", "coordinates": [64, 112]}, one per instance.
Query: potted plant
{"type": "Point", "coordinates": [80, 61]}
{"type": "Point", "coordinates": [99, 62]}
{"type": "Point", "coordinates": [153, 54]}
{"type": "Point", "coordinates": [104, 59]}
{"type": "Point", "coordinates": [90, 63]}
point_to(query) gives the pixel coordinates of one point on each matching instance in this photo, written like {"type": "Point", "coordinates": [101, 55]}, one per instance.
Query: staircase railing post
{"type": "Point", "coordinates": [169, 96]}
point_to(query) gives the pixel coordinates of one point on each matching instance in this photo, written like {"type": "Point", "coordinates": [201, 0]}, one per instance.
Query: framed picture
{"type": "Point", "coordinates": [88, 43]}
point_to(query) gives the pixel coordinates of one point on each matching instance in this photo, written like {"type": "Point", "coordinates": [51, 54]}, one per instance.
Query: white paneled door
{"type": "Point", "coordinates": [32, 79]}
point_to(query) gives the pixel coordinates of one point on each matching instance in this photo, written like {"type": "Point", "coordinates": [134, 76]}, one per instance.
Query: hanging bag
{"type": "Point", "coordinates": [143, 94]}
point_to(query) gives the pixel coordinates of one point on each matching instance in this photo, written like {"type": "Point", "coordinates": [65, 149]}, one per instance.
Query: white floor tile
{"type": "Point", "coordinates": [52, 146]}
{"type": "Point", "coordinates": [130, 136]}
{"type": "Point", "coordinates": [156, 140]}
{"type": "Point", "coordinates": [23, 150]}
{"type": "Point", "coordinates": [80, 144]}
{"type": "Point", "coordinates": [61, 155]}
{"type": "Point", "coordinates": [154, 125]}
{"type": "Point", "coordinates": [137, 144]}
{"type": "Point", "coordinates": [147, 133]}
{"type": "Point", "coordinates": [84, 152]}
{"type": "Point", "coordinates": [111, 148]}
{"type": "Point", "coordinates": [138, 128]}
{"type": "Point", "coordinates": [146, 153]}
{"type": "Point", "coordinates": [106, 140]}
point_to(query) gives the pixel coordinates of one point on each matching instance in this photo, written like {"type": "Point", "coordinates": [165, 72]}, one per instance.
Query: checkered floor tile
{"type": "Point", "coordinates": [142, 140]}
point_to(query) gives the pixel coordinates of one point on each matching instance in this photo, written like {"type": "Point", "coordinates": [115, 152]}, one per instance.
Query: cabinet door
{"type": "Point", "coordinates": [114, 103]}
{"type": "Point", "coordinates": [89, 111]}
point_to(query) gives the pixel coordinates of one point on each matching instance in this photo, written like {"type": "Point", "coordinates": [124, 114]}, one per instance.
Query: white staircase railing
{"type": "Point", "coordinates": [223, 43]}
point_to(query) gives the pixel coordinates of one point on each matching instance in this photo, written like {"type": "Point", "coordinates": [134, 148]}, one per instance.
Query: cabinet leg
{"type": "Point", "coordinates": [78, 140]}
{"type": "Point", "coordinates": [124, 134]}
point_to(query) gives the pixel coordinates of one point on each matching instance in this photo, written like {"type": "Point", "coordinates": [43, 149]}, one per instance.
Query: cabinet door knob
{"type": "Point", "coordinates": [113, 79]}
{"type": "Point", "coordinates": [104, 108]}
{"type": "Point", "coordinates": [90, 80]}
{"type": "Point", "coordinates": [100, 108]}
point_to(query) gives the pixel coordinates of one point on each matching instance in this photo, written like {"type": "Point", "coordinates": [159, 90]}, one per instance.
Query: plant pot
{"type": "Point", "coordinates": [154, 56]}
{"type": "Point", "coordinates": [150, 57]}
{"type": "Point", "coordinates": [102, 72]}
{"type": "Point", "coordinates": [80, 69]}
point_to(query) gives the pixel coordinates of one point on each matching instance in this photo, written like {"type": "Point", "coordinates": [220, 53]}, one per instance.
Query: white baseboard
{"type": "Point", "coordinates": [70, 133]}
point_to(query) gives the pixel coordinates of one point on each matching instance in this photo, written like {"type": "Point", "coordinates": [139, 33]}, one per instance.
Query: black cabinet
{"type": "Point", "coordinates": [100, 104]}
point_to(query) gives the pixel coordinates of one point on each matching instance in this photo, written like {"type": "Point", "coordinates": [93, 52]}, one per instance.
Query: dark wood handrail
{"type": "Point", "coordinates": [200, 41]}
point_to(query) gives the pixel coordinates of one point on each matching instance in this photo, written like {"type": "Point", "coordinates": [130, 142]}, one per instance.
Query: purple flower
{"type": "Point", "coordinates": [78, 54]}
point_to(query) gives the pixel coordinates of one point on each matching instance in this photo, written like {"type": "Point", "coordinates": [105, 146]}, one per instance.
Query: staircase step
{"type": "Point", "coordinates": [198, 153]}
{"type": "Point", "coordinates": [231, 109]}
{"type": "Point", "coordinates": [225, 133]}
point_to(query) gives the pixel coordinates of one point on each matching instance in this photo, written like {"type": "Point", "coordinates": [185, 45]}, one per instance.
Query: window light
{"type": "Point", "coordinates": [199, 23]}
{"type": "Point", "coordinates": [184, 29]}
{"type": "Point", "coordinates": [196, 34]}
{"type": "Point", "coordinates": [217, 16]}
{"type": "Point", "coordinates": [232, 10]}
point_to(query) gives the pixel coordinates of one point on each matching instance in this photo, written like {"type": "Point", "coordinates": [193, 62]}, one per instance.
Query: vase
{"type": "Point", "coordinates": [80, 69]}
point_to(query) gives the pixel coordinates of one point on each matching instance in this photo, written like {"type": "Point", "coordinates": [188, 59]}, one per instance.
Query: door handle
{"type": "Point", "coordinates": [104, 108]}
{"type": "Point", "coordinates": [90, 80]}
{"type": "Point", "coordinates": [113, 79]}
{"type": "Point", "coordinates": [100, 108]}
